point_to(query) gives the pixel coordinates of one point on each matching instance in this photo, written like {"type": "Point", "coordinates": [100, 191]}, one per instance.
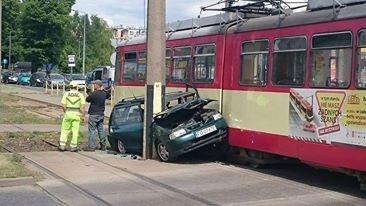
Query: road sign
{"type": "Point", "coordinates": [5, 61]}
{"type": "Point", "coordinates": [71, 60]}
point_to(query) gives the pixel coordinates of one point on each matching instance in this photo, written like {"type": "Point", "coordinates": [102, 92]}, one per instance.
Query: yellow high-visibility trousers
{"type": "Point", "coordinates": [70, 123]}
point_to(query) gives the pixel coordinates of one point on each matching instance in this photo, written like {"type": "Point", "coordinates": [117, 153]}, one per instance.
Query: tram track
{"type": "Point", "coordinates": [147, 179]}
{"type": "Point", "coordinates": [90, 195]}
{"type": "Point", "coordinates": [281, 175]}
{"type": "Point", "coordinates": [294, 180]}
{"type": "Point", "coordinates": [81, 190]}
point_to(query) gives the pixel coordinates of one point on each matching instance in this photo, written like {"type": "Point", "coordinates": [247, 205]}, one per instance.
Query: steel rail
{"type": "Point", "coordinates": [83, 191]}
{"type": "Point", "coordinates": [157, 183]}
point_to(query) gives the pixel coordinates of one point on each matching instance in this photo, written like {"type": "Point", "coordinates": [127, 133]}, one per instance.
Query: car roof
{"type": "Point", "coordinates": [39, 73]}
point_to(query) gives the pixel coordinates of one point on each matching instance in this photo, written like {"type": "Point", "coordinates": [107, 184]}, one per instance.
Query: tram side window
{"type": "Point", "coordinates": [117, 72]}
{"type": "Point", "coordinates": [361, 60]}
{"type": "Point", "coordinates": [141, 67]}
{"type": "Point", "coordinates": [331, 60]}
{"type": "Point", "coordinates": [204, 63]}
{"type": "Point", "coordinates": [254, 61]}
{"type": "Point", "coordinates": [289, 61]}
{"type": "Point", "coordinates": [130, 67]}
{"type": "Point", "coordinates": [181, 64]}
{"type": "Point", "coordinates": [168, 64]}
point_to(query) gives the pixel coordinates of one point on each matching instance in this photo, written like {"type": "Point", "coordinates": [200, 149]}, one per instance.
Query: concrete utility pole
{"type": "Point", "coordinates": [155, 78]}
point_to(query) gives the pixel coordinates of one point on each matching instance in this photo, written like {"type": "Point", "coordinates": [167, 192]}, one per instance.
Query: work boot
{"type": "Point", "coordinates": [61, 148]}
{"type": "Point", "coordinates": [102, 147]}
{"type": "Point", "coordinates": [74, 149]}
{"type": "Point", "coordinates": [88, 149]}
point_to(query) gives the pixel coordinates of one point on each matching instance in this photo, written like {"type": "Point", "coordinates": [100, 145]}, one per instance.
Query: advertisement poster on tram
{"type": "Point", "coordinates": [328, 116]}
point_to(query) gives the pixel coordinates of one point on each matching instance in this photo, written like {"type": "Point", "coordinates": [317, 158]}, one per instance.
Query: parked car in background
{"type": "Point", "coordinates": [79, 78]}
{"type": "Point", "coordinates": [24, 79]}
{"type": "Point", "coordinates": [2, 73]}
{"type": "Point", "coordinates": [37, 79]}
{"type": "Point", "coordinates": [185, 125]}
{"type": "Point", "coordinates": [10, 77]}
{"type": "Point", "coordinates": [54, 80]}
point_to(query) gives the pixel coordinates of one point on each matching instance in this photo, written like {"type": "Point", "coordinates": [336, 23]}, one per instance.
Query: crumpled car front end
{"type": "Point", "coordinates": [186, 128]}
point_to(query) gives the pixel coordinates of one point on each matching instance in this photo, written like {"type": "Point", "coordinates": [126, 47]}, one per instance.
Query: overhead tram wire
{"type": "Point", "coordinates": [263, 7]}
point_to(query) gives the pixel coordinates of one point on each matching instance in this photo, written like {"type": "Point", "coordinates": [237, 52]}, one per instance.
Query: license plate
{"type": "Point", "coordinates": [205, 131]}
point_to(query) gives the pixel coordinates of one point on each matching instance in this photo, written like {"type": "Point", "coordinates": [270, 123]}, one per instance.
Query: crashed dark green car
{"type": "Point", "coordinates": [184, 126]}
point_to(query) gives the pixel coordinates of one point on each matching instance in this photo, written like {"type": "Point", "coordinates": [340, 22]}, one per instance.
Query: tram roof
{"type": "Point", "coordinates": [301, 18]}
{"type": "Point", "coordinates": [196, 27]}
{"type": "Point", "coordinates": [236, 22]}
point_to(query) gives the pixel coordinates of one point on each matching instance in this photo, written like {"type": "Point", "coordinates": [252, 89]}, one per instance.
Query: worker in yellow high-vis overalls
{"type": "Point", "coordinates": [73, 103]}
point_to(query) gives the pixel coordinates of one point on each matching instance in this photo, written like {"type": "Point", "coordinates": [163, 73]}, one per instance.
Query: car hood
{"type": "Point", "coordinates": [79, 81]}
{"type": "Point", "coordinates": [182, 110]}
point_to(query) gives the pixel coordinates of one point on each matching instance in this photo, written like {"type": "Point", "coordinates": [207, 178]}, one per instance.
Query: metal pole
{"type": "Point", "coordinates": [9, 64]}
{"type": "Point", "coordinates": [84, 46]}
{"type": "Point", "coordinates": [144, 17]}
{"type": "Point", "coordinates": [155, 78]}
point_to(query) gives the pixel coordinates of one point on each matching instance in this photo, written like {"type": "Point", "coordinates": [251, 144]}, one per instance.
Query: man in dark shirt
{"type": "Point", "coordinates": [96, 116]}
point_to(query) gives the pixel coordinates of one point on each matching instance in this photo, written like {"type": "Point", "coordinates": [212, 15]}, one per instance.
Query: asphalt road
{"type": "Point", "coordinates": [26, 195]}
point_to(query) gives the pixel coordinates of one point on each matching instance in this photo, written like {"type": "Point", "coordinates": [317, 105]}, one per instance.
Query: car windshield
{"type": "Point", "coordinates": [56, 76]}
{"type": "Point", "coordinates": [14, 74]}
{"type": "Point", "coordinates": [25, 75]}
{"type": "Point", "coordinates": [41, 74]}
{"type": "Point", "coordinates": [78, 77]}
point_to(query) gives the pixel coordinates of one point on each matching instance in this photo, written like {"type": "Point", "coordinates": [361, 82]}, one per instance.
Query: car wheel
{"type": "Point", "coordinates": [121, 147]}
{"type": "Point", "coordinates": [163, 152]}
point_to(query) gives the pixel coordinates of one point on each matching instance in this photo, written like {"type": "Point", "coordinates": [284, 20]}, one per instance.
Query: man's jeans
{"type": "Point", "coordinates": [95, 123]}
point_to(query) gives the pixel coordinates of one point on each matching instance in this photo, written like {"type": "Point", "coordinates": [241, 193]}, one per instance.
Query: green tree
{"type": "Point", "coordinates": [44, 24]}
{"type": "Point", "coordinates": [42, 31]}
{"type": "Point", "coordinates": [99, 46]}
{"type": "Point", "coordinates": [11, 41]}
{"type": "Point", "coordinates": [74, 41]}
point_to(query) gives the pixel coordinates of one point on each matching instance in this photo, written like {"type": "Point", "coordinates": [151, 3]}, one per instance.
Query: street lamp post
{"type": "Point", "coordinates": [83, 38]}
{"type": "Point", "coordinates": [9, 64]}
{"type": "Point", "coordinates": [84, 46]}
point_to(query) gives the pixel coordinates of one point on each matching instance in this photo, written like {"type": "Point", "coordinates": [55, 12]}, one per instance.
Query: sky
{"type": "Point", "coordinates": [131, 12]}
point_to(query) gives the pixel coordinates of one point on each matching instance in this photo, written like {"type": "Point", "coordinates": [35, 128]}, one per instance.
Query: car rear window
{"type": "Point", "coordinates": [126, 115]}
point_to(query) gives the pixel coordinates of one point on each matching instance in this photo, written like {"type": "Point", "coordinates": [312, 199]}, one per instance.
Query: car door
{"type": "Point", "coordinates": [126, 125]}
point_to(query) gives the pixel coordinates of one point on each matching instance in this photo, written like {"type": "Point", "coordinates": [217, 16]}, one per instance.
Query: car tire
{"type": "Point", "coordinates": [163, 152]}
{"type": "Point", "coordinates": [121, 147]}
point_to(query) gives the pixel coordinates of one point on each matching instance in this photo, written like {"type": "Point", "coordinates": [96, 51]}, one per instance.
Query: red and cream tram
{"type": "Point", "coordinates": [261, 67]}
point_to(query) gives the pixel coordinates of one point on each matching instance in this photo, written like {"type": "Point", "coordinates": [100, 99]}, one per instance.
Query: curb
{"type": "Point", "coordinates": [18, 181]}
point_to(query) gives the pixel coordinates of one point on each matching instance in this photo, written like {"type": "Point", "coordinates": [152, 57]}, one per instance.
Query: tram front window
{"type": "Point", "coordinates": [204, 63]}
{"type": "Point", "coordinates": [331, 60]}
{"type": "Point", "coordinates": [361, 60]}
{"type": "Point", "coordinates": [254, 61]}
{"type": "Point", "coordinates": [130, 67]}
{"type": "Point", "coordinates": [181, 64]}
{"type": "Point", "coordinates": [289, 61]}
